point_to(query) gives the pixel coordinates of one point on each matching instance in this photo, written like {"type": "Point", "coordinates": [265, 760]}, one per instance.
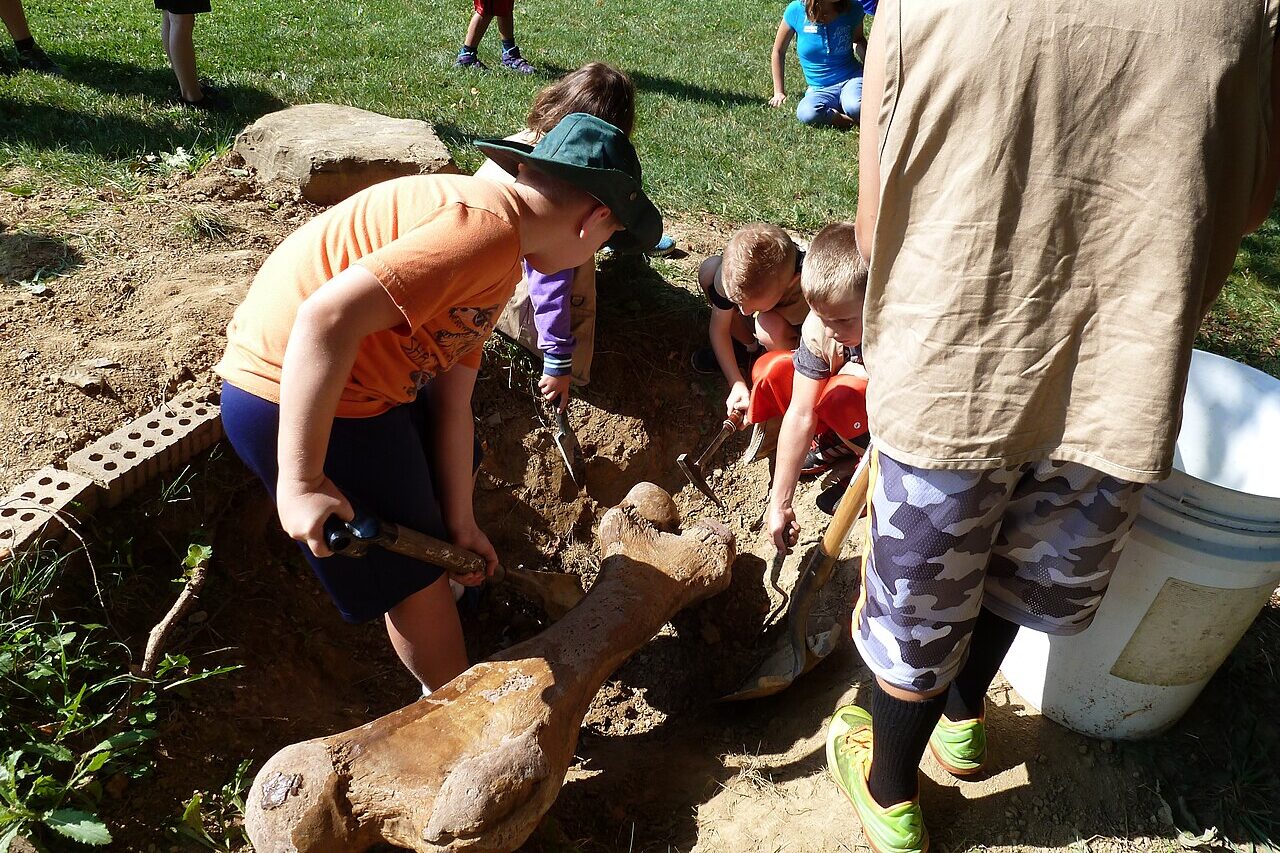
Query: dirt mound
{"type": "Point", "coordinates": [140, 291]}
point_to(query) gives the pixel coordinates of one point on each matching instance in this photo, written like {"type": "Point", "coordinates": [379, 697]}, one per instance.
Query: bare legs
{"type": "Point", "coordinates": [426, 634]}
{"type": "Point", "coordinates": [177, 33]}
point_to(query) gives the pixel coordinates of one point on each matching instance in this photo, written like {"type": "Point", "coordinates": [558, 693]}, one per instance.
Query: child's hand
{"type": "Point", "coordinates": [738, 400]}
{"type": "Point", "coordinates": [555, 390]}
{"type": "Point", "coordinates": [304, 508]}
{"type": "Point", "coordinates": [778, 99]}
{"type": "Point", "coordinates": [472, 538]}
{"type": "Point", "coordinates": [784, 530]}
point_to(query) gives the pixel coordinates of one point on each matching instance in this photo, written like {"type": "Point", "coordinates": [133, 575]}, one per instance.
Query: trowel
{"type": "Point", "coordinates": [570, 451]}
{"type": "Point", "coordinates": [557, 592]}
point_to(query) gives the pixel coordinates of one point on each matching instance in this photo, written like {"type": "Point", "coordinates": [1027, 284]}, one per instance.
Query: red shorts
{"type": "Point", "coordinates": [842, 401]}
{"type": "Point", "coordinates": [494, 8]}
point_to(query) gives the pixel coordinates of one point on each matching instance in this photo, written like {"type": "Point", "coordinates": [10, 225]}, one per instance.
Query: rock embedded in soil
{"type": "Point", "coordinates": [330, 152]}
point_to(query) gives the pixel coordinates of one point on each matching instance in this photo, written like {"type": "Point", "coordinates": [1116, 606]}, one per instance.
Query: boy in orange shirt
{"type": "Point", "coordinates": [350, 365]}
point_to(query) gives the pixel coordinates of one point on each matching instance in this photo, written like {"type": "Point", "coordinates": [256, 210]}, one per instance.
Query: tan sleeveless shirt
{"type": "Point", "coordinates": [1064, 186]}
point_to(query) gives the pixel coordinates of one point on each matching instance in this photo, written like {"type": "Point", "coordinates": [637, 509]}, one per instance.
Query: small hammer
{"type": "Point", "coordinates": [693, 469]}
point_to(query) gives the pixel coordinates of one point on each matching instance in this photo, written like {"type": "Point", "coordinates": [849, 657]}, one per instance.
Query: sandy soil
{"type": "Point", "coordinates": [137, 299]}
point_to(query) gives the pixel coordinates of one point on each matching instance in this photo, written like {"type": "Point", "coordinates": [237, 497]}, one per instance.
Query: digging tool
{"type": "Point", "coordinates": [799, 651]}
{"type": "Point", "coordinates": [557, 592]}
{"type": "Point", "coordinates": [693, 469]}
{"type": "Point", "coordinates": [570, 450]}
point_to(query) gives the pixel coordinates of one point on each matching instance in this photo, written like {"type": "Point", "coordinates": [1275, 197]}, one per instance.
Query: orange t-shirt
{"type": "Point", "coordinates": [445, 247]}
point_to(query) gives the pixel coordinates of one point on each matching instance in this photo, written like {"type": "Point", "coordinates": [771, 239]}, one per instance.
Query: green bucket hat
{"type": "Point", "coordinates": [598, 159]}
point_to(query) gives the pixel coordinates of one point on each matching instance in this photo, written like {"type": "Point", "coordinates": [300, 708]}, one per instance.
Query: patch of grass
{"type": "Point", "coordinates": [203, 223]}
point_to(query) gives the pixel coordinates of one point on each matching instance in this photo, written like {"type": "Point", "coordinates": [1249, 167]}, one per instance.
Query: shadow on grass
{"type": "Point", "coordinates": [157, 127]}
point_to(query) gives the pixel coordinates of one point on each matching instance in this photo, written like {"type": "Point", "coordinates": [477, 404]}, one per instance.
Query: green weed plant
{"type": "Point", "coordinates": [72, 714]}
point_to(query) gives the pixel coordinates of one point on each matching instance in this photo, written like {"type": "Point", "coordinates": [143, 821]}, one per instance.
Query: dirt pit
{"type": "Point", "coordinates": [146, 285]}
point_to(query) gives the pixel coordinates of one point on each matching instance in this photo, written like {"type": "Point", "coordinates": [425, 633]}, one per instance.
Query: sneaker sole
{"type": "Point", "coordinates": [865, 836]}
{"type": "Point", "coordinates": [954, 771]}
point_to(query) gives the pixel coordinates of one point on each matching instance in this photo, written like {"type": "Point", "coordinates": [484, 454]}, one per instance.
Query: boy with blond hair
{"type": "Point", "coordinates": [754, 290]}
{"type": "Point", "coordinates": [822, 386]}
{"type": "Point", "coordinates": [350, 365]}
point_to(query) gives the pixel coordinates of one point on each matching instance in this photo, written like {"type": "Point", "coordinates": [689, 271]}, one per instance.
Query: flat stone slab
{"type": "Point", "coordinates": [330, 152]}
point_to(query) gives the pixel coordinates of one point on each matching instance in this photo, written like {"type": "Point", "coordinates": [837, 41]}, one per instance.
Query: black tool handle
{"type": "Point", "coordinates": [351, 537]}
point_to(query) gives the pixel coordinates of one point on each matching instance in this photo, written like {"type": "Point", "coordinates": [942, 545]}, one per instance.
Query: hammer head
{"type": "Point", "coordinates": [695, 475]}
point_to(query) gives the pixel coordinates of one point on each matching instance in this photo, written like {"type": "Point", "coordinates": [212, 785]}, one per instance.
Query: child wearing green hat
{"type": "Point", "coordinates": [350, 365]}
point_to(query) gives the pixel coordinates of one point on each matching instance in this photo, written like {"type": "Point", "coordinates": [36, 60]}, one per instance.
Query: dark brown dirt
{"type": "Point", "coordinates": [661, 766]}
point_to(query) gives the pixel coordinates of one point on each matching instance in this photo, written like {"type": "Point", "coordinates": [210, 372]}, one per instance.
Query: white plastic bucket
{"type": "Point", "coordinates": [1202, 561]}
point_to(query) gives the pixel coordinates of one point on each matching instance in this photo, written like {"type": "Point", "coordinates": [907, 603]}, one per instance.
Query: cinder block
{"type": "Point", "coordinates": [155, 443]}
{"type": "Point", "coordinates": [30, 513]}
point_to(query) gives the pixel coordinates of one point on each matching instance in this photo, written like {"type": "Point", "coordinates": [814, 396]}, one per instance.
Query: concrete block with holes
{"type": "Point", "coordinates": [151, 445]}
{"type": "Point", "coordinates": [40, 509]}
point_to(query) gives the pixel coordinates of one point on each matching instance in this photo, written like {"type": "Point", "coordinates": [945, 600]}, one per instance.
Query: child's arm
{"type": "Point", "coordinates": [793, 442]}
{"type": "Point", "coordinates": [869, 142]}
{"type": "Point", "coordinates": [322, 348]}
{"type": "Point", "coordinates": [452, 465]}
{"type": "Point", "coordinates": [777, 63]}
{"type": "Point", "coordinates": [721, 335]}
{"type": "Point", "coordinates": [551, 297]}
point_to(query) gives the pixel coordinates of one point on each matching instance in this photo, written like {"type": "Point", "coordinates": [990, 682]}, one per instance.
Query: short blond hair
{"type": "Point", "coordinates": [753, 253]}
{"type": "Point", "coordinates": [834, 272]}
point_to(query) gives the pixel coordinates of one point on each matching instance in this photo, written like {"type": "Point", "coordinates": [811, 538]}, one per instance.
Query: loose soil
{"type": "Point", "coordinates": [137, 293]}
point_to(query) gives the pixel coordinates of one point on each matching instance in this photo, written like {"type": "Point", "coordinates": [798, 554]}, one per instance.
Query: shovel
{"type": "Point", "coordinates": [798, 651]}
{"type": "Point", "coordinates": [557, 592]}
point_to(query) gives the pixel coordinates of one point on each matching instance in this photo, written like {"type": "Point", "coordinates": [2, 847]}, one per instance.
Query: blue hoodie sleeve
{"type": "Point", "coordinates": [550, 296]}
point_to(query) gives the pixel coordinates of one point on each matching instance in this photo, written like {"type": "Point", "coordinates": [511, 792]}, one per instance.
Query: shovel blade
{"type": "Point", "coordinates": [695, 477]}
{"type": "Point", "coordinates": [570, 451]}
{"type": "Point", "coordinates": [556, 592]}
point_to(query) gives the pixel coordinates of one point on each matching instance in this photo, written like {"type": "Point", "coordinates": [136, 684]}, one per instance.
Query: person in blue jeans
{"type": "Point", "coordinates": [829, 44]}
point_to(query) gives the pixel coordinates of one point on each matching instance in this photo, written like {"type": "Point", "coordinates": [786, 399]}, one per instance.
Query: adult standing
{"type": "Point", "coordinates": [1049, 213]}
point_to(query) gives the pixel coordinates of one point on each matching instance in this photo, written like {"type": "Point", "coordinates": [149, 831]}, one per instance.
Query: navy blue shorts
{"type": "Point", "coordinates": [382, 464]}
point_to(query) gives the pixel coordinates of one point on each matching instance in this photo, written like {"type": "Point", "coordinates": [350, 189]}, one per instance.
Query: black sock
{"type": "Point", "coordinates": [992, 636]}
{"type": "Point", "coordinates": [466, 48]}
{"type": "Point", "coordinates": [508, 45]}
{"type": "Point", "coordinates": [899, 732]}
{"type": "Point", "coordinates": [23, 45]}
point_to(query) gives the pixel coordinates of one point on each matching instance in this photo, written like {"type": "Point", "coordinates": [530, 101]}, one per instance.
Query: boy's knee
{"type": "Point", "coordinates": [775, 333]}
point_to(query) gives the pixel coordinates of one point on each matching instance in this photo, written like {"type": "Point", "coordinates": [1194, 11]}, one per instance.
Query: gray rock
{"type": "Point", "coordinates": [330, 152]}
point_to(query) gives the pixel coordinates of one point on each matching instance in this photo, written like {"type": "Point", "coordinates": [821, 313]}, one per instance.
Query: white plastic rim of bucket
{"type": "Point", "coordinates": [1226, 450]}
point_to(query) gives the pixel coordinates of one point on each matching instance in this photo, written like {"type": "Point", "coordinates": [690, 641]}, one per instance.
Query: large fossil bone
{"type": "Point", "coordinates": [477, 764]}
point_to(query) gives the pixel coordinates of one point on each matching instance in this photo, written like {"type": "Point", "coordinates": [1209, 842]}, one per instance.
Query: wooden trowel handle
{"type": "Point", "coordinates": [849, 508]}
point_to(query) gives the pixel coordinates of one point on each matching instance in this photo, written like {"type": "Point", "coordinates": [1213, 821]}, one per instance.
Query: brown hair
{"type": "Point", "coordinates": [834, 272]}
{"type": "Point", "coordinates": [811, 8]}
{"type": "Point", "coordinates": [596, 88]}
{"type": "Point", "coordinates": [754, 251]}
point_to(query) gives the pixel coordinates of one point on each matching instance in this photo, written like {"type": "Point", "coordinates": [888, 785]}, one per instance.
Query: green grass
{"type": "Point", "coordinates": [709, 143]}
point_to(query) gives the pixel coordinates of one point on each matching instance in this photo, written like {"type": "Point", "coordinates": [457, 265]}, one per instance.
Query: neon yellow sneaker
{"type": "Point", "coordinates": [896, 829]}
{"type": "Point", "coordinates": [960, 747]}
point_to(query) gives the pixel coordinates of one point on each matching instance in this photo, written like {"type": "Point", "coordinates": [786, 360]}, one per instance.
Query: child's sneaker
{"type": "Point", "coordinates": [512, 60]}
{"type": "Point", "coordinates": [824, 451]}
{"type": "Point", "coordinates": [468, 59]}
{"type": "Point", "coordinates": [896, 829]}
{"type": "Point", "coordinates": [665, 248]}
{"type": "Point", "coordinates": [960, 747]}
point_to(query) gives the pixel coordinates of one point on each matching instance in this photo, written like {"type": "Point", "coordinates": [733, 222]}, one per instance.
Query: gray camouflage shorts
{"type": "Point", "coordinates": [1033, 543]}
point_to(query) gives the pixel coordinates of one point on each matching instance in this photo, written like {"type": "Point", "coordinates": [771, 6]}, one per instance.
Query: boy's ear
{"type": "Point", "coordinates": [598, 218]}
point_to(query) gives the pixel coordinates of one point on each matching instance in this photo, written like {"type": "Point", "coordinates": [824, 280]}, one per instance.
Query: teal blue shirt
{"type": "Point", "coordinates": [825, 50]}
